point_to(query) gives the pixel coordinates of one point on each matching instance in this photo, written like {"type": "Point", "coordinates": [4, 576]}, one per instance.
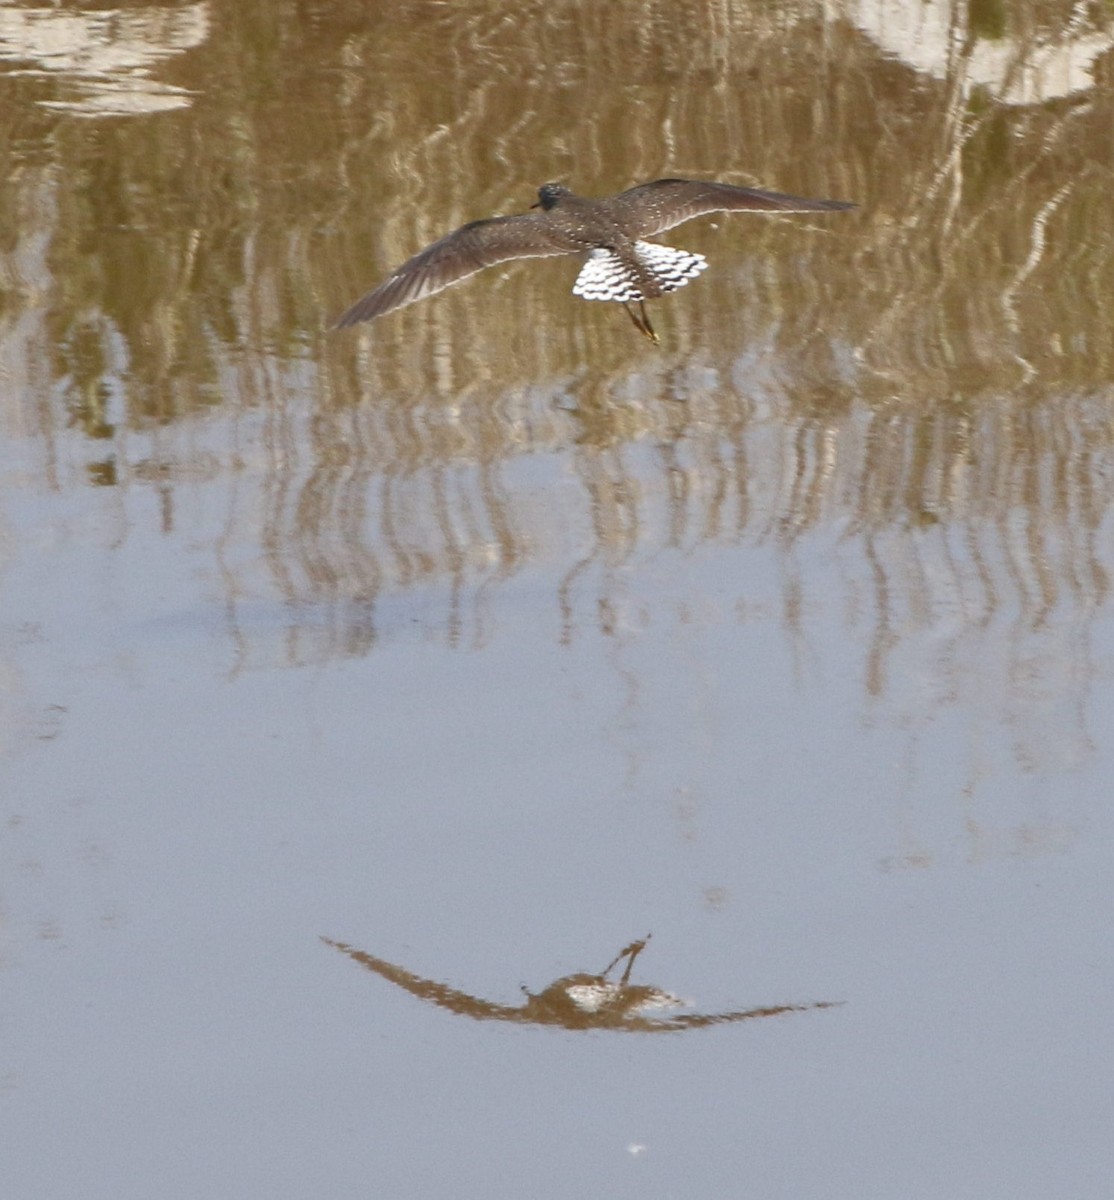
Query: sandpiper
{"type": "Point", "coordinates": [620, 265]}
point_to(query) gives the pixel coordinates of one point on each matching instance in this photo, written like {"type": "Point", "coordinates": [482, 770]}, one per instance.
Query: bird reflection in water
{"type": "Point", "coordinates": [580, 1001]}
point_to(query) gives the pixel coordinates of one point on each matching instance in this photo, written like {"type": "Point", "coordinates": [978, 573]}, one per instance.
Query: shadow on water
{"type": "Point", "coordinates": [582, 1000]}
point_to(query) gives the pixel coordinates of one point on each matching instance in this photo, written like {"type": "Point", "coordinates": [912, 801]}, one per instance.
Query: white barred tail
{"type": "Point", "coordinates": [607, 276]}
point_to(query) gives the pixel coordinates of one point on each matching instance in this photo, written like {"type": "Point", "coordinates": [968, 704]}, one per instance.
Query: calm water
{"type": "Point", "coordinates": [364, 695]}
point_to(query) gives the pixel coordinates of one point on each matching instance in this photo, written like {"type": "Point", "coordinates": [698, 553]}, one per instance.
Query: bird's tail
{"type": "Point", "coordinates": [654, 271]}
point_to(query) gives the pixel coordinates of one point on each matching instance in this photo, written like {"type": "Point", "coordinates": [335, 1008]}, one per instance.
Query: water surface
{"type": "Point", "coordinates": [358, 689]}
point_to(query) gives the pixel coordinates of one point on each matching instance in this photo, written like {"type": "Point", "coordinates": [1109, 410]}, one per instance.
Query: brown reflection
{"type": "Point", "coordinates": [931, 376]}
{"type": "Point", "coordinates": [101, 63]}
{"type": "Point", "coordinates": [579, 1001]}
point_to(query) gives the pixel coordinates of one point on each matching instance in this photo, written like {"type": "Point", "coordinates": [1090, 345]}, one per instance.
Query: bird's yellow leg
{"type": "Point", "coordinates": [647, 328]}
{"type": "Point", "coordinates": [641, 321]}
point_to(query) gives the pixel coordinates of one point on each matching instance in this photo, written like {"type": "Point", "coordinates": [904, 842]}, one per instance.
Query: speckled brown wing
{"type": "Point", "coordinates": [651, 208]}
{"type": "Point", "coordinates": [456, 256]}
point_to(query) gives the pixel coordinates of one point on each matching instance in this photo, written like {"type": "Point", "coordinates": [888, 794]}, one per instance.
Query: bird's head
{"type": "Point", "coordinates": [549, 194]}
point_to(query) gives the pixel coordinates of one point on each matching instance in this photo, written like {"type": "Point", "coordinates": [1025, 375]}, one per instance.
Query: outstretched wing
{"type": "Point", "coordinates": [458, 255]}
{"type": "Point", "coordinates": [700, 1020]}
{"type": "Point", "coordinates": [651, 208]}
{"type": "Point", "coordinates": [430, 989]}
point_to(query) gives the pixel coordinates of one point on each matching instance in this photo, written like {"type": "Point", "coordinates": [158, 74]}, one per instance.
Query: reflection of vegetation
{"type": "Point", "coordinates": [987, 19]}
{"type": "Point", "coordinates": [234, 224]}
{"type": "Point", "coordinates": [242, 222]}
{"type": "Point", "coordinates": [940, 366]}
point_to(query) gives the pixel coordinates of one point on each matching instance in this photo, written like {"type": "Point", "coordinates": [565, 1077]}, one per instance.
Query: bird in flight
{"type": "Point", "coordinates": [620, 265]}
